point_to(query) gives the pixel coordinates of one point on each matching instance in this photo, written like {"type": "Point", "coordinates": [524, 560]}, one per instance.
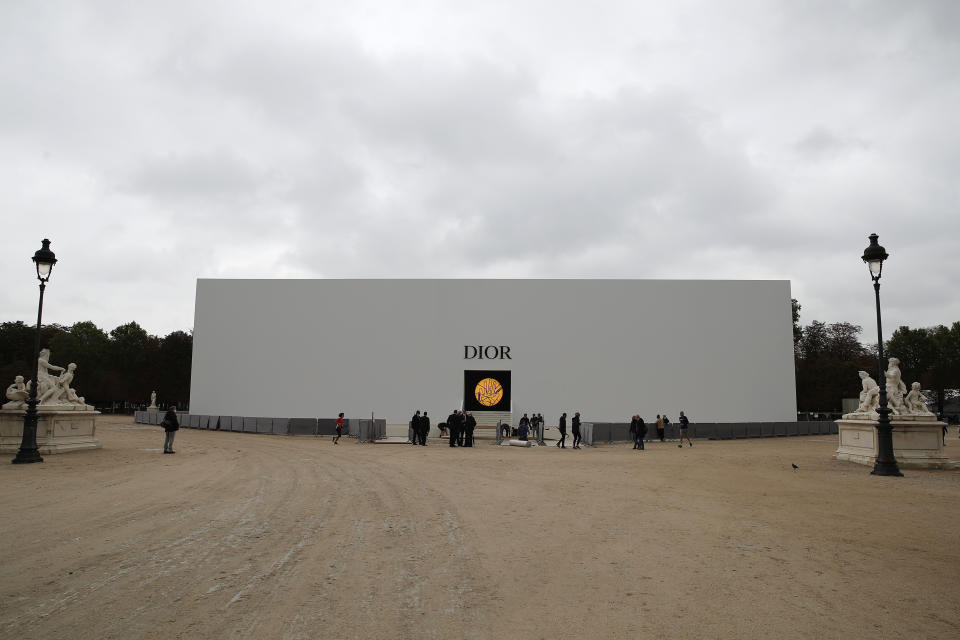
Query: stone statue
{"type": "Point", "coordinates": [53, 392]}
{"type": "Point", "coordinates": [916, 402]}
{"type": "Point", "coordinates": [895, 387]}
{"type": "Point", "coordinates": [153, 399]}
{"type": "Point", "coordinates": [44, 380]}
{"type": "Point", "coordinates": [59, 392]}
{"type": "Point", "coordinates": [17, 394]}
{"type": "Point", "coordinates": [870, 396]}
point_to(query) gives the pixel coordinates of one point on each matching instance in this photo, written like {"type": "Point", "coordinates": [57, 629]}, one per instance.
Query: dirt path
{"type": "Point", "coordinates": [252, 536]}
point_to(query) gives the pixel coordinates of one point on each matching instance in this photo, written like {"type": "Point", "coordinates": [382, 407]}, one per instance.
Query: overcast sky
{"type": "Point", "coordinates": [159, 142]}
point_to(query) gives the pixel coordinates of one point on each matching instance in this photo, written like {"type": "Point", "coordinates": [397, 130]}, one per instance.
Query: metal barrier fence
{"type": "Point", "coordinates": [606, 432]}
{"type": "Point", "coordinates": [367, 430]}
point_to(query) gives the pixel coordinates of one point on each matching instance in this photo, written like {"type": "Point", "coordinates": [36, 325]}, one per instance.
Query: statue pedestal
{"type": "Point", "coordinates": [153, 409]}
{"type": "Point", "coordinates": [917, 442]}
{"type": "Point", "coordinates": [58, 431]}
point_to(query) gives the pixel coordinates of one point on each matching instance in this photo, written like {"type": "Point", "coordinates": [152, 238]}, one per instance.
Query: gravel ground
{"type": "Point", "coordinates": [254, 536]}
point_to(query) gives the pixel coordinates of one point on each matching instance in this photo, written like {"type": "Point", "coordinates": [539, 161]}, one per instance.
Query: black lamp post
{"type": "Point", "coordinates": [886, 463]}
{"type": "Point", "coordinates": [44, 260]}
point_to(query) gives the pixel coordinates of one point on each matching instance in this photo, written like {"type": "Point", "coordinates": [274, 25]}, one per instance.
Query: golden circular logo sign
{"type": "Point", "coordinates": [489, 392]}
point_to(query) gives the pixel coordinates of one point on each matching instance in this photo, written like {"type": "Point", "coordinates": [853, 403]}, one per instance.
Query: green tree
{"type": "Point", "coordinates": [930, 356]}
{"type": "Point", "coordinates": [828, 358]}
{"type": "Point", "coordinates": [174, 365]}
{"type": "Point", "coordinates": [132, 359]}
{"type": "Point", "coordinates": [797, 329]}
{"type": "Point", "coordinates": [87, 345]}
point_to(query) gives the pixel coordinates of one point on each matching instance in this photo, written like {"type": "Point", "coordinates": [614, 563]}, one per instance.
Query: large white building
{"type": "Point", "coordinates": [722, 351]}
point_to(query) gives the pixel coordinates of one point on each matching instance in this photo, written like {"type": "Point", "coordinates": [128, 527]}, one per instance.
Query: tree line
{"type": "Point", "coordinates": [123, 366]}
{"type": "Point", "coordinates": [120, 368]}
{"type": "Point", "coordinates": [828, 356]}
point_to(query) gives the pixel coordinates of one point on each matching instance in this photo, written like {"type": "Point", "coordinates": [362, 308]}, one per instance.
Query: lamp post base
{"type": "Point", "coordinates": [27, 456]}
{"type": "Point", "coordinates": [886, 469]}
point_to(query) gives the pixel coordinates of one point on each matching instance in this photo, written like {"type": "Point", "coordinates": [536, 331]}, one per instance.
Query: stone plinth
{"type": "Point", "coordinates": [57, 431]}
{"type": "Point", "coordinates": [917, 442]}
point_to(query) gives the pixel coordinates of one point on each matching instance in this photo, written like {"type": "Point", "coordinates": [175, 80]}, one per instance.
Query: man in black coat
{"type": "Point", "coordinates": [170, 426]}
{"type": "Point", "coordinates": [424, 428]}
{"type": "Point", "coordinates": [640, 434]}
{"type": "Point", "coordinates": [452, 427]}
{"type": "Point", "coordinates": [461, 428]}
{"type": "Point", "coordinates": [470, 423]}
{"type": "Point", "coordinates": [562, 427]}
{"type": "Point", "coordinates": [412, 432]}
{"type": "Point", "coordinates": [575, 427]}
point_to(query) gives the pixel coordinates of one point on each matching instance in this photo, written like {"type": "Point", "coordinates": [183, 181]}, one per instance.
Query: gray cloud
{"type": "Point", "coordinates": [162, 142]}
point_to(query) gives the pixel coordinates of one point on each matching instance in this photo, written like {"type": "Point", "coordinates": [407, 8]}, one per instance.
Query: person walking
{"type": "Point", "coordinates": [336, 438]}
{"type": "Point", "coordinates": [633, 430]}
{"type": "Point", "coordinates": [684, 430]}
{"type": "Point", "coordinates": [562, 427]}
{"type": "Point", "coordinates": [170, 427]}
{"type": "Point", "coordinates": [575, 427]}
{"type": "Point", "coordinates": [660, 428]}
{"type": "Point", "coordinates": [469, 424]}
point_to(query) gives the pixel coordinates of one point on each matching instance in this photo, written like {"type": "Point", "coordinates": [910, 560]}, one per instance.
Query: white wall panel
{"type": "Point", "coordinates": [720, 350]}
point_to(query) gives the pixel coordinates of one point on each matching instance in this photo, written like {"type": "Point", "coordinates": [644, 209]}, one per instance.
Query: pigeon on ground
{"type": "Point", "coordinates": [795, 467]}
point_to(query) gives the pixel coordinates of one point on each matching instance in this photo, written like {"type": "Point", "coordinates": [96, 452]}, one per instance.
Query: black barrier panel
{"type": "Point", "coordinates": [792, 428]}
{"type": "Point", "coordinates": [767, 430]}
{"type": "Point", "coordinates": [236, 423]}
{"type": "Point", "coordinates": [194, 421]}
{"type": "Point", "coordinates": [834, 428]}
{"type": "Point", "coordinates": [137, 416]}
{"type": "Point", "coordinates": [620, 433]}
{"type": "Point", "coordinates": [154, 418]}
{"type": "Point", "coordinates": [803, 428]}
{"type": "Point", "coordinates": [280, 426]}
{"type": "Point", "coordinates": [780, 429]}
{"type": "Point", "coordinates": [223, 423]}
{"type": "Point", "coordinates": [249, 424]}
{"type": "Point", "coordinates": [264, 425]}
{"type": "Point", "coordinates": [601, 432]}
{"type": "Point", "coordinates": [705, 431]}
{"type": "Point", "coordinates": [204, 422]}
{"type": "Point", "coordinates": [302, 426]}
{"type": "Point", "coordinates": [327, 426]}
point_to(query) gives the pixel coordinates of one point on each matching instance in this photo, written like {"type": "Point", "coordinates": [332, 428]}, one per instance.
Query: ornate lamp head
{"type": "Point", "coordinates": [874, 255]}
{"type": "Point", "coordinates": [44, 259]}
